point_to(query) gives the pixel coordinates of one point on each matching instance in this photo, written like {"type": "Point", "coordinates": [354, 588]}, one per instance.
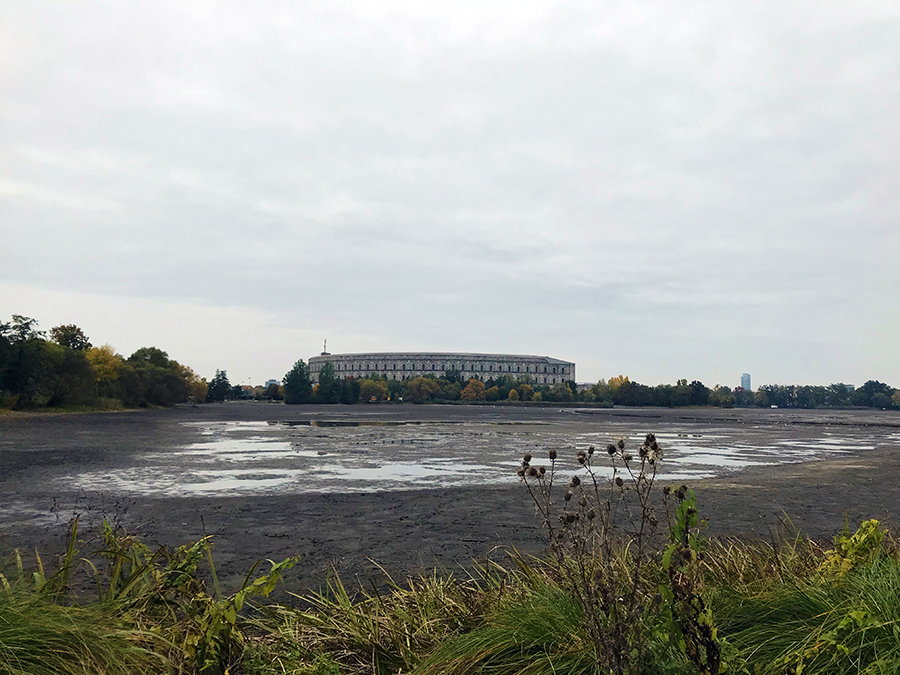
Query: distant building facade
{"type": "Point", "coordinates": [745, 381]}
{"type": "Point", "coordinates": [407, 365]}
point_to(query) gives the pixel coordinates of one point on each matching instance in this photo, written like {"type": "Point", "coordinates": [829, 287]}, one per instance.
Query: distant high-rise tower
{"type": "Point", "coordinates": [745, 381]}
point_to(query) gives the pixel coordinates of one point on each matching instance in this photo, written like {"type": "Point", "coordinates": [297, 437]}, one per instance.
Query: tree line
{"type": "Point", "coordinates": [619, 390]}
{"type": "Point", "coordinates": [63, 369]}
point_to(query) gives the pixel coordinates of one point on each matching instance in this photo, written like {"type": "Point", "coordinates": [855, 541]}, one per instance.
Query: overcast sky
{"type": "Point", "coordinates": [663, 190]}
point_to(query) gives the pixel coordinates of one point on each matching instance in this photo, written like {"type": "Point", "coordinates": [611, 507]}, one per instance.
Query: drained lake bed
{"type": "Point", "coordinates": [409, 485]}
{"type": "Point", "coordinates": [349, 451]}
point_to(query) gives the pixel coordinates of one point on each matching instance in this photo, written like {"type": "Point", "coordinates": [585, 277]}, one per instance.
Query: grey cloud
{"type": "Point", "coordinates": [418, 169]}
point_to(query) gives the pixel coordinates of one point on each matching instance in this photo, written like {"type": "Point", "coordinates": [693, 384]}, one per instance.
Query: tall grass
{"type": "Point", "coordinates": [41, 637]}
{"type": "Point", "coordinates": [813, 625]}
{"type": "Point", "coordinates": [373, 631]}
{"type": "Point", "coordinates": [536, 630]}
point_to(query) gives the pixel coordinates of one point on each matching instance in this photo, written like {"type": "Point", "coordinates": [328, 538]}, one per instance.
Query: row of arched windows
{"type": "Point", "coordinates": [376, 366]}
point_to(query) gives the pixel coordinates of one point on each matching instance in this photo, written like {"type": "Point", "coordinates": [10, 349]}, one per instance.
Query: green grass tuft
{"type": "Point", "coordinates": [39, 637]}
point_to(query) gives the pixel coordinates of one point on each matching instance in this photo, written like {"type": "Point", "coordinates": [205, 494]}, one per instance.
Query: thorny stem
{"type": "Point", "coordinates": [614, 623]}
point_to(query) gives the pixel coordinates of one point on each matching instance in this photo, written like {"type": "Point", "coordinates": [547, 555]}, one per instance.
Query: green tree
{"type": "Point", "coordinates": [370, 389]}
{"type": "Point", "coordinates": [32, 364]}
{"type": "Point", "coordinates": [297, 384]}
{"type": "Point", "coordinates": [329, 389]}
{"type": "Point", "coordinates": [699, 393]}
{"type": "Point", "coordinates": [880, 400]}
{"type": "Point", "coordinates": [71, 336]}
{"type": "Point", "coordinates": [219, 387]}
{"type": "Point", "coordinates": [722, 397]}
{"type": "Point", "coordinates": [601, 391]}
{"type": "Point", "coordinates": [151, 355]}
{"type": "Point", "coordinates": [865, 395]}
{"type": "Point", "coordinates": [681, 396]}
{"type": "Point", "coordinates": [349, 391]}
{"type": "Point", "coordinates": [837, 394]}
{"type": "Point", "coordinates": [396, 389]}
{"type": "Point", "coordinates": [450, 391]}
{"type": "Point", "coordinates": [761, 399]}
{"type": "Point", "coordinates": [149, 377]}
{"type": "Point", "coordinates": [421, 389]}
{"type": "Point", "coordinates": [453, 375]}
{"type": "Point", "coordinates": [75, 381]}
{"type": "Point", "coordinates": [21, 329]}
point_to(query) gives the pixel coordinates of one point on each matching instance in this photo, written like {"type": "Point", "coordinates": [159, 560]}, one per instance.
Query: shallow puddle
{"type": "Point", "coordinates": [333, 455]}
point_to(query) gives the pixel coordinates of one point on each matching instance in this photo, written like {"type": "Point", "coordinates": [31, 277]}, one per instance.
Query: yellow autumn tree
{"type": "Point", "coordinates": [106, 365]}
{"type": "Point", "coordinates": [617, 381]}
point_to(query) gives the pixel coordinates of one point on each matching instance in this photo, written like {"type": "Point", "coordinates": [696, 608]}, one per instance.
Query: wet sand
{"type": "Point", "coordinates": [402, 530]}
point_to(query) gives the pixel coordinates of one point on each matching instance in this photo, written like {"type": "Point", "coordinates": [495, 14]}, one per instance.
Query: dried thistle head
{"type": "Point", "coordinates": [568, 496]}
{"type": "Point", "coordinates": [611, 449]}
{"type": "Point", "coordinates": [542, 469]}
{"type": "Point", "coordinates": [527, 458]}
{"type": "Point", "coordinates": [621, 444]}
{"type": "Point", "coordinates": [532, 472]}
{"type": "Point", "coordinates": [627, 456]}
{"type": "Point", "coordinates": [552, 454]}
{"type": "Point", "coordinates": [619, 481]}
{"type": "Point", "coordinates": [576, 481]}
{"type": "Point", "coordinates": [590, 451]}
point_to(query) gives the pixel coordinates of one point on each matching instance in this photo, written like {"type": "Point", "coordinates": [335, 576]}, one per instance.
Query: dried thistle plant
{"type": "Point", "coordinates": [599, 535]}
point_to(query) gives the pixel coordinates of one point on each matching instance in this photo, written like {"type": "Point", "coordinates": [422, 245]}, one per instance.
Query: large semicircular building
{"type": "Point", "coordinates": [405, 365]}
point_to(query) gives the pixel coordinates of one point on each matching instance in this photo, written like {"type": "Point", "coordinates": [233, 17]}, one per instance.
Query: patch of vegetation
{"type": "Point", "coordinates": [619, 590]}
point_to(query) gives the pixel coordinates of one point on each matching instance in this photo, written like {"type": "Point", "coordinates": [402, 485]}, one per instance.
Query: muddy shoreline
{"type": "Point", "coordinates": [403, 530]}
